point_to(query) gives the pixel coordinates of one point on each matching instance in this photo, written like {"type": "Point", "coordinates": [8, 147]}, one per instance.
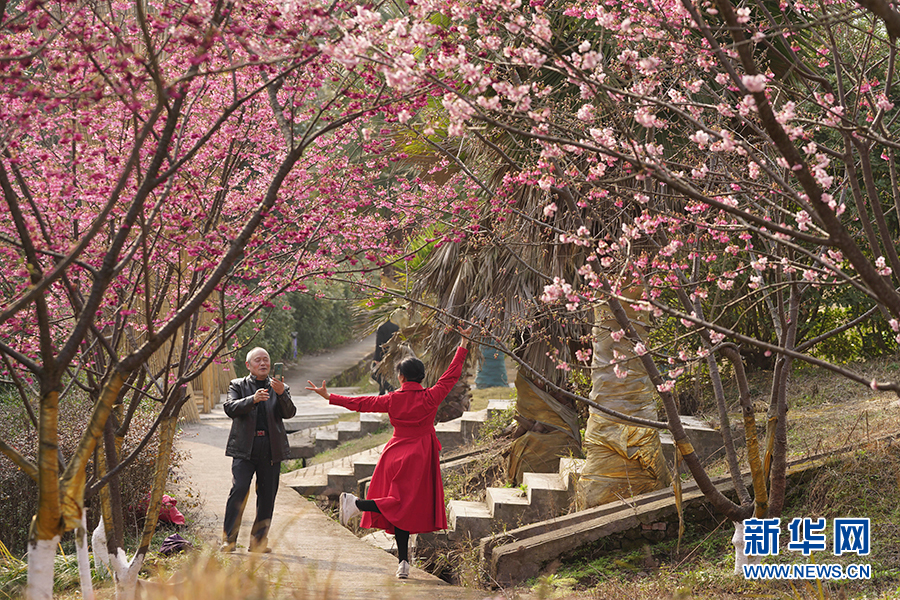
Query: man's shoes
{"type": "Point", "coordinates": [347, 508]}
{"type": "Point", "coordinates": [227, 547]}
{"type": "Point", "coordinates": [259, 546]}
{"type": "Point", "coordinates": [403, 570]}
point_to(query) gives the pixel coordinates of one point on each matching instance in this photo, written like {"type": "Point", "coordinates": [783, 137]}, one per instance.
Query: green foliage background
{"type": "Point", "coordinates": [320, 322]}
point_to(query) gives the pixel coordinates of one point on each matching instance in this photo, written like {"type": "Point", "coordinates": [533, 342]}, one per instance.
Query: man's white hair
{"type": "Point", "coordinates": [256, 350]}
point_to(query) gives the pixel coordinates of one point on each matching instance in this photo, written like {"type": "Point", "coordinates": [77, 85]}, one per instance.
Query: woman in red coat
{"type": "Point", "coordinates": [406, 494]}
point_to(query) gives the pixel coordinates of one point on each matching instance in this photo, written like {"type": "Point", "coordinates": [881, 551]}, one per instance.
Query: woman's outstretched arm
{"type": "Point", "coordinates": [355, 403]}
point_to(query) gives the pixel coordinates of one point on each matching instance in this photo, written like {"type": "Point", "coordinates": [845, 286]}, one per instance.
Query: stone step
{"type": "Point", "coordinates": [470, 520]}
{"type": "Point", "coordinates": [499, 405]}
{"type": "Point", "coordinates": [364, 465]}
{"type": "Point", "coordinates": [306, 422]}
{"type": "Point", "coordinates": [449, 434]}
{"type": "Point", "coordinates": [309, 485]}
{"type": "Point", "coordinates": [340, 479]}
{"type": "Point", "coordinates": [707, 442]}
{"type": "Point", "coordinates": [460, 431]}
{"type": "Point", "coordinates": [569, 469]}
{"type": "Point", "coordinates": [545, 495]}
{"type": "Point", "coordinates": [508, 507]}
{"type": "Point", "coordinates": [372, 422]}
{"type": "Point", "coordinates": [549, 494]}
{"type": "Point", "coordinates": [301, 444]}
{"type": "Point", "coordinates": [326, 439]}
{"type": "Point", "coordinates": [334, 477]}
{"type": "Point", "coordinates": [308, 442]}
{"type": "Point", "coordinates": [349, 430]}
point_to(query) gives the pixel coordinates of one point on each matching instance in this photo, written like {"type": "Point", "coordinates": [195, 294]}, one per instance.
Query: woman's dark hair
{"type": "Point", "coordinates": [412, 369]}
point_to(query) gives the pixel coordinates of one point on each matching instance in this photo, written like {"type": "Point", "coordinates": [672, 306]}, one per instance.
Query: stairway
{"type": "Point", "coordinates": [459, 432]}
{"type": "Point", "coordinates": [545, 495]}
{"type": "Point", "coordinates": [345, 474]}
{"type": "Point", "coordinates": [542, 504]}
{"type": "Point", "coordinates": [542, 497]}
{"type": "Point", "coordinates": [306, 443]}
{"type": "Point", "coordinates": [515, 555]}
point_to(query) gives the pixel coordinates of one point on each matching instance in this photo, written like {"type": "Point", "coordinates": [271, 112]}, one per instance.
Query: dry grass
{"type": "Point", "coordinates": [826, 412]}
{"type": "Point", "coordinates": [488, 469]}
{"type": "Point", "coordinates": [205, 576]}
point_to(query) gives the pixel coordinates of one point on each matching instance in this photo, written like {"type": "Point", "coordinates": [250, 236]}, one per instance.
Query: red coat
{"type": "Point", "coordinates": [406, 484]}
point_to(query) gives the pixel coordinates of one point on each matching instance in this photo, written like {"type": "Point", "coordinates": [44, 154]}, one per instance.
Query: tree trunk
{"type": "Point", "coordinates": [41, 554]}
{"type": "Point", "coordinates": [48, 523]}
{"type": "Point", "coordinates": [740, 558]}
{"type": "Point", "coordinates": [125, 571]}
{"type": "Point", "coordinates": [110, 494]}
{"type": "Point", "coordinates": [125, 574]}
{"type": "Point", "coordinates": [101, 552]}
{"type": "Point", "coordinates": [84, 559]}
{"type": "Point", "coordinates": [622, 459]}
{"type": "Point", "coordinates": [47, 526]}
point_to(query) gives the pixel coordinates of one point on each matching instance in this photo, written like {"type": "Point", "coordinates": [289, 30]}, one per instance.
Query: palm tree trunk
{"type": "Point", "coordinates": [622, 460]}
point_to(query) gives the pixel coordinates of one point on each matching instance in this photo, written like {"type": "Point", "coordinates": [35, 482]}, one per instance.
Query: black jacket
{"type": "Point", "coordinates": [240, 407]}
{"type": "Point", "coordinates": [383, 335]}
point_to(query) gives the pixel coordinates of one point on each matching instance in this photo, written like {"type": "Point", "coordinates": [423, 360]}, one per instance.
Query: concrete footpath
{"type": "Point", "coordinates": [308, 547]}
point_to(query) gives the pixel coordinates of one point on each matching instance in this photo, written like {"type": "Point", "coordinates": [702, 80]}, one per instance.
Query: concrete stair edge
{"type": "Point", "coordinates": [321, 438]}
{"type": "Point", "coordinates": [512, 557]}
{"type": "Point", "coordinates": [546, 495]}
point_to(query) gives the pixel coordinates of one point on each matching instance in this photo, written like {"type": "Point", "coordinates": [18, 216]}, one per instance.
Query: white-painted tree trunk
{"type": "Point", "coordinates": [41, 556]}
{"type": "Point", "coordinates": [101, 554]}
{"type": "Point", "coordinates": [741, 559]}
{"type": "Point", "coordinates": [125, 573]}
{"type": "Point", "coordinates": [84, 559]}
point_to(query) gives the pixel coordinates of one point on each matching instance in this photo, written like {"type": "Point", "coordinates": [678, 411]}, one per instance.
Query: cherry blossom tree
{"type": "Point", "coordinates": [717, 157]}
{"type": "Point", "coordinates": [167, 170]}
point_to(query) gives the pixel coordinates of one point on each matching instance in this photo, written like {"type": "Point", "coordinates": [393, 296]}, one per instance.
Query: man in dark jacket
{"type": "Point", "coordinates": [257, 405]}
{"type": "Point", "coordinates": [383, 335]}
